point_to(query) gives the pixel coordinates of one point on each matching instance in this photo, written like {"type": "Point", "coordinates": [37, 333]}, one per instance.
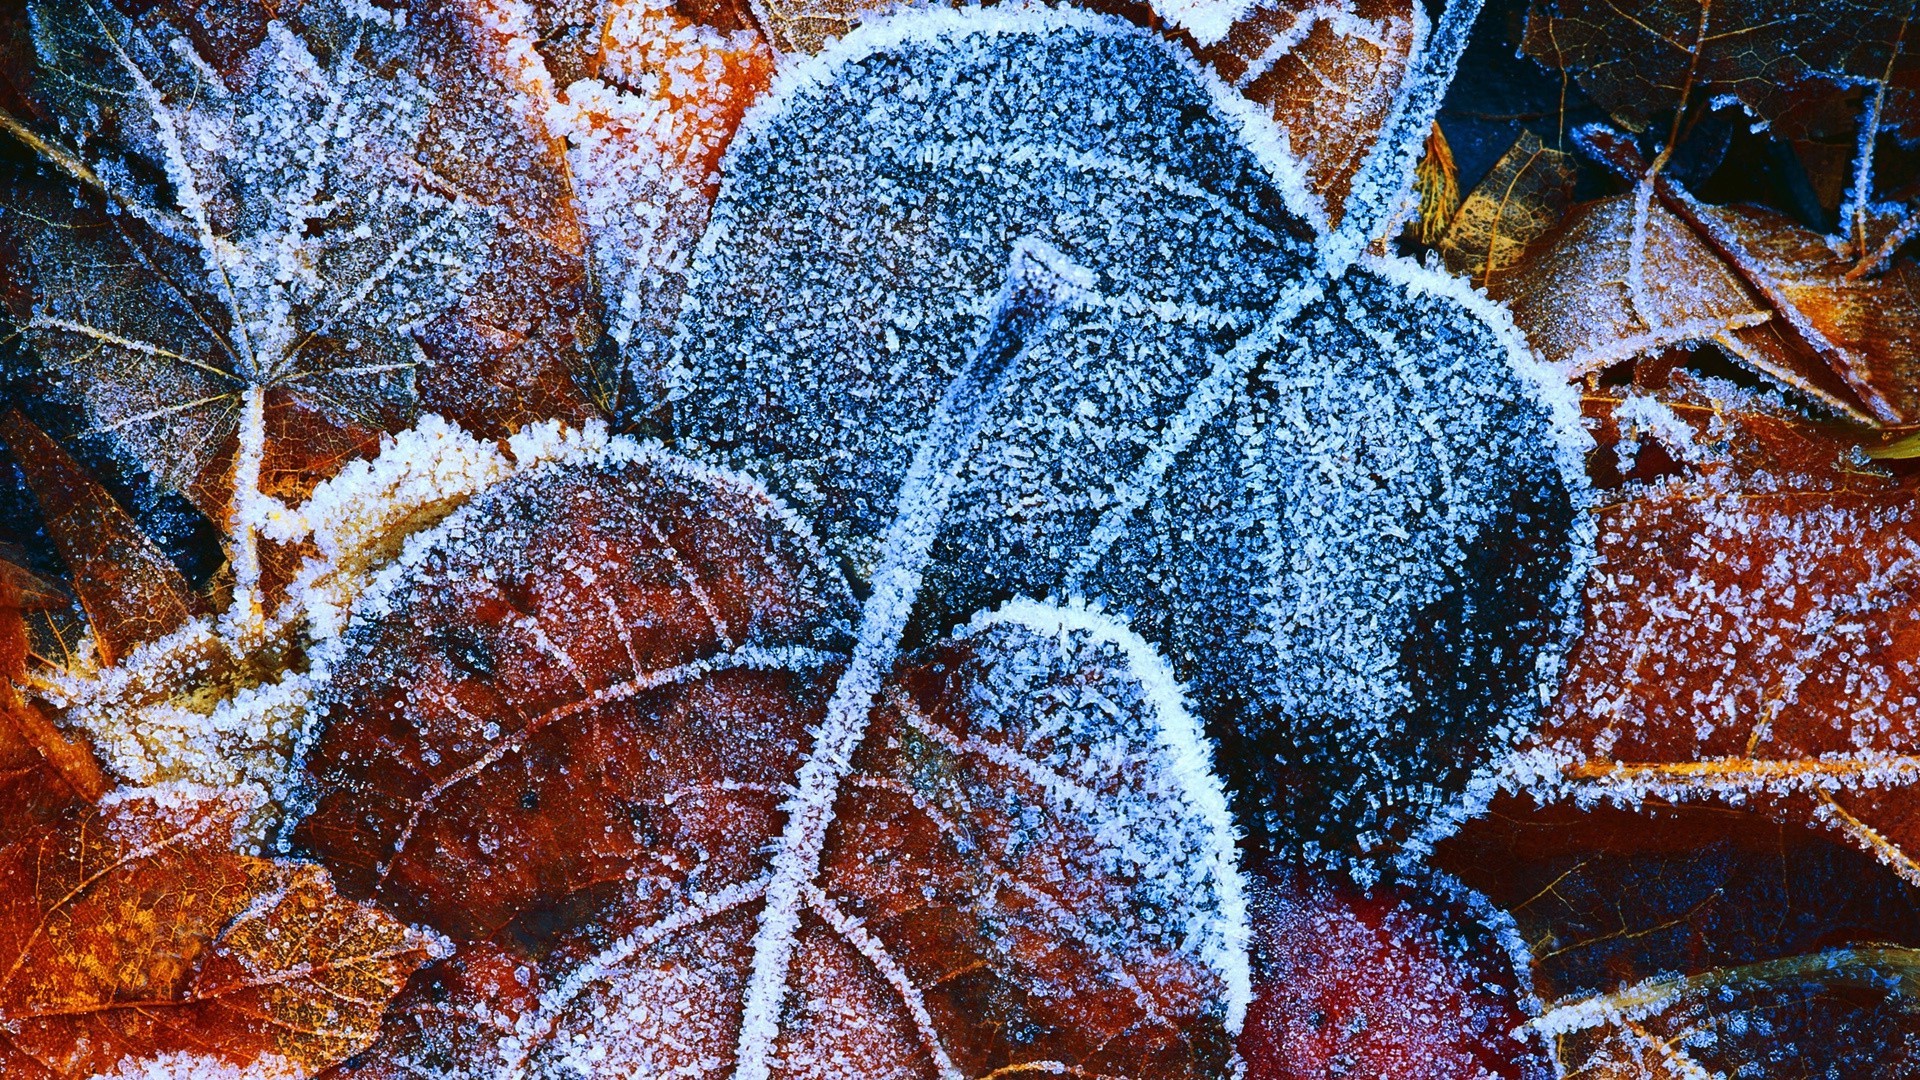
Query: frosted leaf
{"type": "Point", "coordinates": [1329, 72]}
{"type": "Point", "coordinates": [1749, 635]}
{"type": "Point", "coordinates": [645, 136]}
{"type": "Point", "coordinates": [197, 707]}
{"type": "Point", "coordinates": [579, 723]}
{"type": "Point", "coordinates": [1343, 508]}
{"type": "Point", "coordinates": [275, 261]}
{"type": "Point", "coordinates": [1417, 980]}
{"type": "Point", "coordinates": [1702, 942]}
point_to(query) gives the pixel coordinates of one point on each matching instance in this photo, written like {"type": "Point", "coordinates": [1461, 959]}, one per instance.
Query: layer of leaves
{"type": "Point", "coordinates": [1630, 275]}
{"type": "Point", "coordinates": [616, 668]}
{"type": "Point", "coordinates": [269, 260]}
{"type": "Point", "coordinates": [1336, 505]}
{"type": "Point", "coordinates": [1675, 942]}
{"type": "Point", "coordinates": [131, 931]}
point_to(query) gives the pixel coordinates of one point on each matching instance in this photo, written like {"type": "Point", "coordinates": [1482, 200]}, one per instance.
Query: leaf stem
{"type": "Point", "coordinates": [1040, 281]}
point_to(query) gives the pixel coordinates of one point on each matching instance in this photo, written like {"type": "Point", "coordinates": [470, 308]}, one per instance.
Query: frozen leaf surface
{"type": "Point", "coordinates": [1789, 63]}
{"type": "Point", "coordinates": [1329, 74]}
{"type": "Point", "coordinates": [131, 593]}
{"type": "Point", "coordinates": [582, 727]}
{"type": "Point", "coordinates": [1340, 506]}
{"type": "Point", "coordinates": [131, 931]}
{"type": "Point", "coordinates": [268, 267]}
{"type": "Point", "coordinates": [1393, 980]}
{"type": "Point", "coordinates": [1630, 275]}
{"type": "Point", "coordinates": [1750, 634]}
{"type": "Point", "coordinates": [1687, 942]}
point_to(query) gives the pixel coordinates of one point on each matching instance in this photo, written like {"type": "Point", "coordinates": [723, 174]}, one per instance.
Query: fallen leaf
{"type": "Point", "coordinates": [1750, 632]}
{"type": "Point", "coordinates": [1389, 980]}
{"type": "Point", "coordinates": [131, 593]}
{"type": "Point", "coordinates": [1329, 73]}
{"type": "Point", "coordinates": [1629, 275]}
{"type": "Point", "coordinates": [1331, 493]}
{"type": "Point", "coordinates": [1690, 942]}
{"type": "Point", "coordinates": [628, 671]}
{"type": "Point", "coordinates": [132, 931]}
{"type": "Point", "coordinates": [1792, 65]}
{"type": "Point", "coordinates": [1521, 198]}
{"type": "Point", "coordinates": [251, 281]}
{"type": "Point", "coordinates": [1436, 182]}
{"type": "Point", "coordinates": [655, 102]}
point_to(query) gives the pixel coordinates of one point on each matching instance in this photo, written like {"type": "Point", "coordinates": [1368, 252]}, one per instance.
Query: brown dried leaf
{"type": "Point", "coordinates": [131, 931]}
{"type": "Point", "coordinates": [1752, 635]}
{"type": "Point", "coordinates": [617, 668]}
{"type": "Point", "coordinates": [1631, 275]}
{"type": "Point", "coordinates": [131, 593]}
{"type": "Point", "coordinates": [1522, 197]}
{"type": "Point", "coordinates": [1689, 941]}
{"type": "Point", "coordinates": [1793, 64]}
{"type": "Point", "coordinates": [1436, 181]}
{"type": "Point", "coordinates": [1328, 73]}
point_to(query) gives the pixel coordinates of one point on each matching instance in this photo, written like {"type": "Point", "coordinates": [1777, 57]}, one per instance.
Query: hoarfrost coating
{"type": "Point", "coordinates": [1337, 497]}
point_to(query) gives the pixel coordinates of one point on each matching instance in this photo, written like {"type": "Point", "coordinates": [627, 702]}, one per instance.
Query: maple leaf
{"type": "Point", "coordinates": [1400, 980]}
{"type": "Point", "coordinates": [1789, 63]}
{"type": "Point", "coordinates": [1629, 275]}
{"type": "Point", "coordinates": [1329, 492]}
{"type": "Point", "coordinates": [131, 930]}
{"type": "Point", "coordinates": [1690, 942]}
{"type": "Point", "coordinates": [255, 280]}
{"type": "Point", "coordinates": [1750, 636]}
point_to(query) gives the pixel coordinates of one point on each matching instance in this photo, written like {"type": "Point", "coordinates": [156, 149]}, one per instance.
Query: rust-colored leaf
{"type": "Point", "coordinates": [657, 96]}
{"type": "Point", "coordinates": [1390, 980]}
{"type": "Point", "coordinates": [131, 932]}
{"type": "Point", "coordinates": [131, 593]}
{"type": "Point", "coordinates": [1751, 635]}
{"type": "Point", "coordinates": [1792, 64]}
{"type": "Point", "coordinates": [1328, 73]}
{"type": "Point", "coordinates": [581, 728]}
{"type": "Point", "coordinates": [1630, 275]}
{"type": "Point", "coordinates": [1689, 942]}
{"type": "Point", "coordinates": [1521, 198]}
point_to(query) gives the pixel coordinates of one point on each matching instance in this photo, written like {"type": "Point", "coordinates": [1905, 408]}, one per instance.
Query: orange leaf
{"type": "Point", "coordinates": [1751, 632]}
{"type": "Point", "coordinates": [131, 593]}
{"type": "Point", "coordinates": [1328, 74]}
{"type": "Point", "coordinates": [132, 932]}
